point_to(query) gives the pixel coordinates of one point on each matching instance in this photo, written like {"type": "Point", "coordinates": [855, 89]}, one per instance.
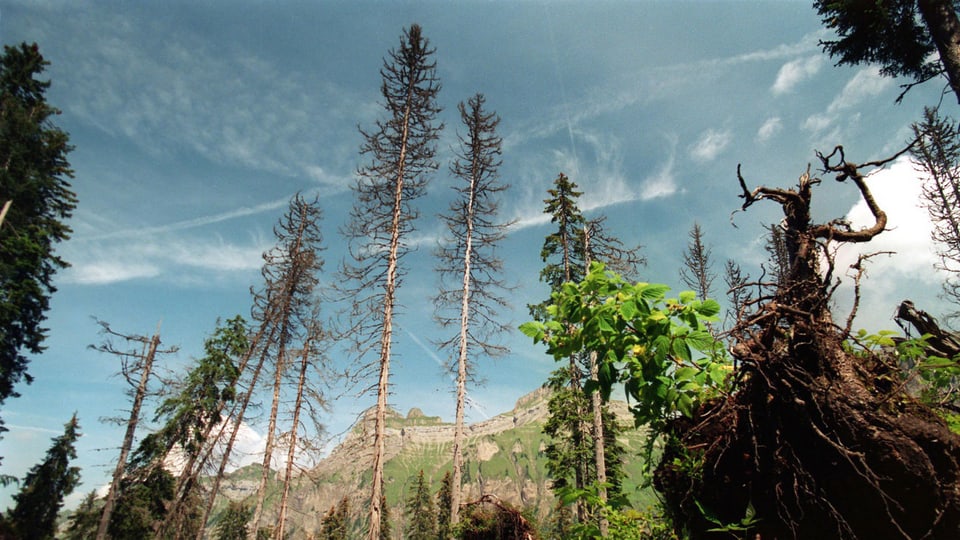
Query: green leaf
{"type": "Point", "coordinates": [701, 340]}
{"type": "Point", "coordinates": [629, 310]}
{"type": "Point", "coordinates": [533, 329]}
{"type": "Point", "coordinates": [681, 350]}
{"type": "Point", "coordinates": [687, 296]}
{"type": "Point", "coordinates": [685, 373]}
{"type": "Point", "coordinates": [653, 291]}
{"type": "Point", "coordinates": [936, 362]}
{"type": "Point", "coordinates": [685, 405]}
{"type": "Point", "coordinates": [709, 308]}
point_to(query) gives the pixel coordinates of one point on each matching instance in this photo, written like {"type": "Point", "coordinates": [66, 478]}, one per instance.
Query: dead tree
{"type": "Point", "coordinates": [133, 363]}
{"type": "Point", "coordinates": [810, 440]}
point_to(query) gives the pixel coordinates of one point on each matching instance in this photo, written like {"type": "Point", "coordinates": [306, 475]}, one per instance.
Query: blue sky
{"type": "Point", "coordinates": [195, 122]}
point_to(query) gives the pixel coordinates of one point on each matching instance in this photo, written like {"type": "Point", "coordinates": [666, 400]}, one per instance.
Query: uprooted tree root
{"type": "Point", "coordinates": [488, 518]}
{"type": "Point", "coordinates": [813, 439]}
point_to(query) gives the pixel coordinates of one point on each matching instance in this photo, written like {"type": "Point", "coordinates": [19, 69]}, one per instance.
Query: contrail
{"type": "Point", "coordinates": [474, 404]}
{"type": "Point", "coordinates": [204, 220]}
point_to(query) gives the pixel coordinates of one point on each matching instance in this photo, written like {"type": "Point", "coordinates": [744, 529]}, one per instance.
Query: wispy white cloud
{"type": "Point", "coordinates": [177, 259]}
{"type": "Point", "coordinates": [168, 89]}
{"type": "Point", "coordinates": [796, 71]}
{"type": "Point", "coordinates": [769, 129]}
{"type": "Point", "coordinates": [662, 183]}
{"type": "Point", "coordinates": [596, 165]}
{"type": "Point", "coordinates": [865, 84]}
{"type": "Point", "coordinates": [654, 83]}
{"type": "Point", "coordinates": [710, 144]}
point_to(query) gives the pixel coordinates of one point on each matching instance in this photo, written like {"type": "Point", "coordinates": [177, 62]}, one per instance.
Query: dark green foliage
{"type": "Point", "coordinates": [885, 32]}
{"type": "Point", "coordinates": [233, 522]}
{"type": "Point", "coordinates": [208, 387]}
{"type": "Point", "coordinates": [141, 503]}
{"type": "Point", "coordinates": [444, 501]}
{"type": "Point", "coordinates": [34, 175]}
{"type": "Point", "coordinates": [567, 448]}
{"type": "Point", "coordinates": [84, 520]}
{"type": "Point", "coordinates": [561, 522]}
{"type": "Point", "coordinates": [562, 250]}
{"type": "Point", "coordinates": [420, 511]}
{"type": "Point", "coordinates": [336, 523]}
{"type": "Point", "coordinates": [34, 515]}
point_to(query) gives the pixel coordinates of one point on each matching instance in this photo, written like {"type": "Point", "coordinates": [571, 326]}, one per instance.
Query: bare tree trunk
{"type": "Point", "coordinates": [457, 481]}
{"type": "Point", "coordinates": [128, 436]}
{"type": "Point", "coordinates": [291, 450]}
{"type": "Point", "coordinates": [941, 19]}
{"type": "Point", "coordinates": [380, 418]}
{"type": "Point", "coordinates": [599, 450]}
{"type": "Point", "coordinates": [268, 447]}
{"type": "Point", "coordinates": [3, 212]}
{"type": "Point", "coordinates": [598, 442]}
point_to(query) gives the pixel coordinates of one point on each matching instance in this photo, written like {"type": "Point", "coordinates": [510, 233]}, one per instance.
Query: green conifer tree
{"type": "Point", "coordinates": [420, 511]}
{"type": "Point", "coordinates": [34, 516]}
{"type": "Point", "coordinates": [36, 198]}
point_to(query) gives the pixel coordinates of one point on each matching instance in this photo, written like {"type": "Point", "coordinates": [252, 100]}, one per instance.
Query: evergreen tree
{"type": "Point", "coordinates": [83, 521]}
{"type": "Point", "coordinates": [336, 523]}
{"type": "Point", "coordinates": [578, 436]}
{"type": "Point", "coordinates": [141, 502]}
{"type": "Point", "coordinates": [34, 516]}
{"type": "Point", "coordinates": [471, 290]}
{"type": "Point", "coordinates": [900, 35]}
{"type": "Point", "coordinates": [193, 411]}
{"type": "Point", "coordinates": [401, 157]}
{"type": "Point", "coordinates": [444, 506]}
{"type": "Point", "coordinates": [421, 514]}
{"type": "Point", "coordinates": [36, 201]}
{"type": "Point", "coordinates": [565, 259]}
{"type": "Point", "coordinates": [234, 522]}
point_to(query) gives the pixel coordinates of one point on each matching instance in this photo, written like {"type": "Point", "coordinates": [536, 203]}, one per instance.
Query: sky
{"type": "Point", "coordinates": [194, 123]}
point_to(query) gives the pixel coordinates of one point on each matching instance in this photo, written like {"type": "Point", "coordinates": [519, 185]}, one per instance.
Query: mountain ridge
{"type": "Point", "coordinates": [503, 455]}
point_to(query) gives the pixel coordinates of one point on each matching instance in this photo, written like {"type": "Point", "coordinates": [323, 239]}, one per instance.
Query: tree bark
{"type": "Point", "coordinates": [292, 449]}
{"type": "Point", "coordinates": [386, 341]}
{"type": "Point", "coordinates": [599, 453]}
{"type": "Point", "coordinates": [458, 436]}
{"type": "Point", "coordinates": [941, 19]}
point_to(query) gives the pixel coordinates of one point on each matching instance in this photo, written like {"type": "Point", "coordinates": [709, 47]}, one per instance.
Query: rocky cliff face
{"type": "Point", "coordinates": [502, 456]}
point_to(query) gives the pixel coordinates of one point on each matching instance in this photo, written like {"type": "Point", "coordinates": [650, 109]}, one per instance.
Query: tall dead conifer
{"type": "Point", "coordinates": [470, 290]}
{"type": "Point", "coordinates": [401, 152]}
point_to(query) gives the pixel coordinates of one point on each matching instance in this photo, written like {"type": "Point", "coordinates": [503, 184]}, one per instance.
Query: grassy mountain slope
{"type": "Point", "coordinates": [503, 456]}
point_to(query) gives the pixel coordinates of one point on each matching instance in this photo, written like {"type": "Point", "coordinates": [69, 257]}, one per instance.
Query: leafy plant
{"type": "Point", "coordinates": [933, 379]}
{"type": "Point", "coordinates": [659, 348]}
{"type": "Point", "coordinates": [748, 521]}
